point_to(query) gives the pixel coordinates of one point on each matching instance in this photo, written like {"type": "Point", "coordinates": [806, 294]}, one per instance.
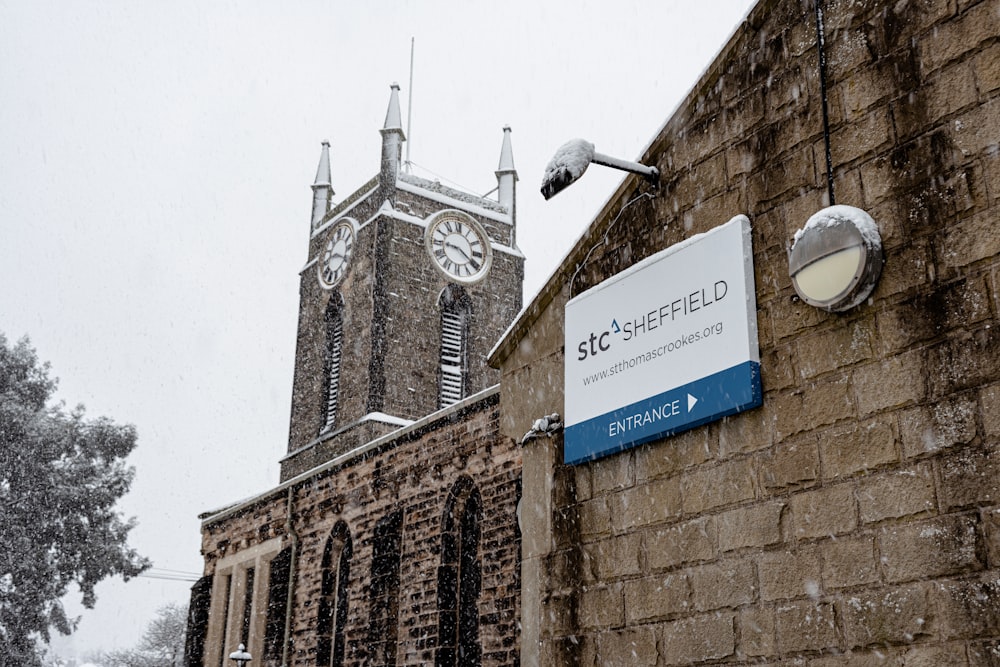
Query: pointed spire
{"type": "Point", "coordinates": [392, 147]}
{"type": "Point", "coordinates": [507, 176]}
{"type": "Point", "coordinates": [323, 170]}
{"type": "Point", "coordinates": [393, 118]}
{"type": "Point", "coordinates": [322, 187]}
{"type": "Point", "coordinates": [506, 154]}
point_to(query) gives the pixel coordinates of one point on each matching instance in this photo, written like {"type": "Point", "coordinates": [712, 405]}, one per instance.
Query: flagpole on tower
{"type": "Point", "coordinates": [409, 110]}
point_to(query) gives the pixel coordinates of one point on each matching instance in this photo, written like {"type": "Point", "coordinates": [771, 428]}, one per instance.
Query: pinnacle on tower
{"type": "Point", "coordinates": [393, 118]}
{"type": "Point", "coordinates": [506, 154]}
{"type": "Point", "coordinates": [506, 175]}
{"type": "Point", "coordinates": [322, 186]}
{"type": "Point", "coordinates": [392, 146]}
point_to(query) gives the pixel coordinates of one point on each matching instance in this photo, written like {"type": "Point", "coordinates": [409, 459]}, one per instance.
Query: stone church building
{"type": "Point", "coordinates": [392, 535]}
{"type": "Point", "coordinates": [846, 515]}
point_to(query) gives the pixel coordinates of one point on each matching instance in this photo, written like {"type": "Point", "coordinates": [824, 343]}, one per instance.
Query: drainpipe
{"type": "Point", "coordinates": [292, 564]}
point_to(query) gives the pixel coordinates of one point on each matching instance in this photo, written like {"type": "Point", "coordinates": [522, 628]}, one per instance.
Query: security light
{"type": "Point", "coordinates": [836, 259]}
{"type": "Point", "coordinates": [573, 158]}
{"type": "Point", "coordinates": [240, 656]}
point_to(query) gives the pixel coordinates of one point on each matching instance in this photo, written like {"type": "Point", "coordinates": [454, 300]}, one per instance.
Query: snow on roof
{"type": "Point", "coordinates": [426, 421]}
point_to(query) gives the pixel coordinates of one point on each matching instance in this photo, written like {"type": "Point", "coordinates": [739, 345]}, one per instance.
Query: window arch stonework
{"type": "Point", "coordinates": [331, 618]}
{"type": "Point", "coordinates": [460, 578]}
{"type": "Point", "coordinates": [384, 590]}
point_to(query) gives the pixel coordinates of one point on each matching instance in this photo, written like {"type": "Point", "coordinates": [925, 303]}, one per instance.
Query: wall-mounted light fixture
{"type": "Point", "coordinates": [836, 259]}
{"type": "Point", "coordinates": [573, 158]}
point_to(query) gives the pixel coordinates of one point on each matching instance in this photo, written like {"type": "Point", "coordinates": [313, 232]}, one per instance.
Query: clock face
{"type": "Point", "coordinates": [459, 247]}
{"type": "Point", "coordinates": [337, 256]}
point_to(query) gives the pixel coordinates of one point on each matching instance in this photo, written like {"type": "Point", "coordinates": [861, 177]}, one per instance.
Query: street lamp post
{"type": "Point", "coordinates": [240, 656]}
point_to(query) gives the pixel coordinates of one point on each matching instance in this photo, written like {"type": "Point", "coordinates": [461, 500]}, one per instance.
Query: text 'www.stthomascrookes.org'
{"type": "Point", "coordinates": [678, 344]}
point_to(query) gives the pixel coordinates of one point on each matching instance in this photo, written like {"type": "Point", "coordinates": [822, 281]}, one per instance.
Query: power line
{"type": "Point", "coordinates": [170, 575]}
{"type": "Point", "coordinates": [444, 178]}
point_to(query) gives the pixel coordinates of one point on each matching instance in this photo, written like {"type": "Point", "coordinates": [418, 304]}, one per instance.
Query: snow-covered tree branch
{"type": "Point", "coordinates": [60, 477]}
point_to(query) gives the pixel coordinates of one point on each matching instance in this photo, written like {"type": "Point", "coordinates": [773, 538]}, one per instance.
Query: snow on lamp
{"type": "Point", "coordinates": [573, 158]}
{"type": "Point", "coordinates": [240, 656]}
{"type": "Point", "coordinates": [836, 258]}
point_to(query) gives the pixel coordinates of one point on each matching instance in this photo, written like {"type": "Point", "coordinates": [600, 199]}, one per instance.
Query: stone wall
{"type": "Point", "coordinates": [404, 376]}
{"type": "Point", "coordinates": [854, 518]}
{"type": "Point", "coordinates": [413, 471]}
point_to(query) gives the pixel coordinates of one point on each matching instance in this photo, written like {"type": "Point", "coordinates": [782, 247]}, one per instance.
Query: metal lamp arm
{"type": "Point", "coordinates": [652, 174]}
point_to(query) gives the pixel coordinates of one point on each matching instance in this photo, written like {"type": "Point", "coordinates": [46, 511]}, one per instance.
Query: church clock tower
{"type": "Point", "coordinates": [407, 286]}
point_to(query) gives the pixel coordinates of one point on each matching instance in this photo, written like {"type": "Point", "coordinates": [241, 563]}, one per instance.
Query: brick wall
{"type": "Point", "coordinates": [853, 518]}
{"type": "Point", "coordinates": [413, 472]}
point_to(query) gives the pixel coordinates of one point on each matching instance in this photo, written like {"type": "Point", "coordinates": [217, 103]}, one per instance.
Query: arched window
{"type": "Point", "coordinates": [279, 575]}
{"type": "Point", "coordinates": [386, 553]}
{"type": "Point", "coordinates": [460, 578]}
{"type": "Point", "coordinates": [456, 312]}
{"type": "Point", "coordinates": [334, 334]}
{"type": "Point", "coordinates": [332, 616]}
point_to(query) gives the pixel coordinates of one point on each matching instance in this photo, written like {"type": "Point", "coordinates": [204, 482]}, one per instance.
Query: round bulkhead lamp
{"type": "Point", "coordinates": [836, 259]}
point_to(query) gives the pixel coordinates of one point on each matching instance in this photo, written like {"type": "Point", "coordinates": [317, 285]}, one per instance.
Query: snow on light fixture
{"type": "Point", "coordinates": [573, 158]}
{"type": "Point", "coordinates": [836, 259]}
{"type": "Point", "coordinates": [240, 656]}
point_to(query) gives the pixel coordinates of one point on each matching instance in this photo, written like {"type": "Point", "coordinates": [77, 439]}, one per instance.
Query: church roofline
{"type": "Point", "coordinates": [389, 440]}
{"type": "Point", "coordinates": [559, 279]}
{"type": "Point", "coordinates": [421, 187]}
{"type": "Point", "coordinates": [344, 207]}
{"type": "Point", "coordinates": [379, 417]}
{"type": "Point", "coordinates": [456, 198]}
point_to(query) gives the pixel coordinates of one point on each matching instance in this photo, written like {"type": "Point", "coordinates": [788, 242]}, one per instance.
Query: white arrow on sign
{"type": "Point", "coordinates": [691, 401]}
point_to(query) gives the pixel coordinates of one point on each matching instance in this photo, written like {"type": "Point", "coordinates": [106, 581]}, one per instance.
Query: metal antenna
{"type": "Point", "coordinates": [409, 111]}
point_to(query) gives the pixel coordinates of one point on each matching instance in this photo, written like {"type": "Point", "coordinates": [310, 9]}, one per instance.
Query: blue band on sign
{"type": "Point", "coordinates": [707, 399]}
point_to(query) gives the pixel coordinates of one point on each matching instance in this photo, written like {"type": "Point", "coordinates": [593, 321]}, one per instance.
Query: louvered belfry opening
{"type": "Point", "coordinates": [334, 342]}
{"type": "Point", "coordinates": [452, 357]}
{"type": "Point", "coordinates": [455, 314]}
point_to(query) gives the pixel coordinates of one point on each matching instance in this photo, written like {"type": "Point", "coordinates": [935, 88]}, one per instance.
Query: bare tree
{"type": "Point", "coordinates": [162, 645]}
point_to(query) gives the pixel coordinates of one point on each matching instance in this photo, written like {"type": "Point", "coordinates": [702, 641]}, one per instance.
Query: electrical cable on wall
{"type": "Point", "coordinates": [821, 48]}
{"type": "Point", "coordinates": [604, 241]}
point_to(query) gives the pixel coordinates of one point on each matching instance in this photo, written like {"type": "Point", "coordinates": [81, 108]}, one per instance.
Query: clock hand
{"type": "Point", "coordinates": [464, 254]}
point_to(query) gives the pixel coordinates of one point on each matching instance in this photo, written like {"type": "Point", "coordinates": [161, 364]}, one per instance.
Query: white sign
{"type": "Point", "coordinates": [667, 345]}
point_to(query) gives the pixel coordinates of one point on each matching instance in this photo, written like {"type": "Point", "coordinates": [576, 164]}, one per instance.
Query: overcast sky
{"type": "Point", "coordinates": [155, 200]}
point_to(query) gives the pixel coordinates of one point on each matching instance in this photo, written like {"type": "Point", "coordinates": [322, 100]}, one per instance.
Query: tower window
{"type": "Point", "coordinates": [333, 596]}
{"type": "Point", "coordinates": [456, 311]}
{"type": "Point", "coordinates": [334, 342]}
{"type": "Point", "coordinates": [460, 579]}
